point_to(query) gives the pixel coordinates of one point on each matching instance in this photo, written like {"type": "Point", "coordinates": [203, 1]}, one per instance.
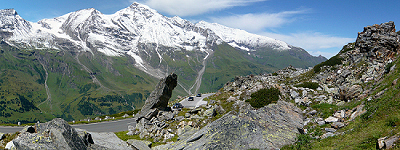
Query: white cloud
{"type": "Point", "coordinates": [258, 22]}
{"type": "Point", "coordinates": [314, 42]}
{"type": "Point", "coordinates": [194, 7]}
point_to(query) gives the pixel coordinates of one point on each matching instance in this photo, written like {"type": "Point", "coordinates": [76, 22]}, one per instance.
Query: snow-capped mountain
{"type": "Point", "coordinates": [122, 32]}
{"type": "Point", "coordinates": [136, 31]}
{"type": "Point", "coordinates": [241, 39]}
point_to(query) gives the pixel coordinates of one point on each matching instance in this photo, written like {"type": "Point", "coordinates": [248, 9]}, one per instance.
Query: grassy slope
{"type": "Point", "coordinates": [382, 118]}
{"type": "Point", "coordinates": [381, 114]}
{"type": "Point", "coordinates": [21, 86]}
{"type": "Point", "coordinates": [73, 93]}
{"type": "Point", "coordinates": [295, 57]}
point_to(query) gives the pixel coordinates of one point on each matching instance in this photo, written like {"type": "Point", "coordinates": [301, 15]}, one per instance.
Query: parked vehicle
{"type": "Point", "coordinates": [198, 95]}
{"type": "Point", "coordinates": [177, 106]}
{"type": "Point", "coordinates": [191, 99]}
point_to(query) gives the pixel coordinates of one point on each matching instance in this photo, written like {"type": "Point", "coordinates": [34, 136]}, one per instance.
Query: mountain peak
{"type": "Point", "coordinates": [136, 5]}
{"type": "Point", "coordinates": [8, 12]}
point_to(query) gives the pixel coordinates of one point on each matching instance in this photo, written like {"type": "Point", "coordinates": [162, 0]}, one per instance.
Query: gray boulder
{"type": "Point", "coordinates": [347, 93]}
{"type": "Point", "coordinates": [56, 134]}
{"type": "Point", "coordinates": [159, 98]}
{"type": "Point", "coordinates": [2, 136]}
{"type": "Point", "coordinates": [269, 127]}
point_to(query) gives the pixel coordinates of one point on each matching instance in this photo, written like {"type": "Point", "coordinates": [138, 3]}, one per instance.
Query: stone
{"type": "Point", "coordinates": [312, 112]}
{"type": "Point", "coordinates": [2, 136]}
{"type": "Point", "coordinates": [326, 135]}
{"type": "Point", "coordinates": [331, 119]}
{"type": "Point", "coordinates": [168, 136]}
{"type": "Point", "coordinates": [151, 113]}
{"type": "Point", "coordinates": [159, 97]}
{"type": "Point", "coordinates": [304, 93]}
{"type": "Point", "coordinates": [219, 109]}
{"type": "Point", "coordinates": [306, 121]}
{"type": "Point", "coordinates": [381, 143]}
{"type": "Point", "coordinates": [194, 111]}
{"type": "Point", "coordinates": [10, 145]}
{"type": "Point", "coordinates": [210, 112]}
{"type": "Point", "coordinates": [179, 118]}
{"type": "Point", "coordinates": [231, 99]}
{"type": "Point", "coordinates": [357, 111]}
{"type": "Point", "coordinates": [187, 115]}
{"type": "Point", "coordinates": [330, 130]}
{"type": "Point", "coordinates": [320, 123]}
{"type": "Point", "coordinates": [337, 125]}
{"type": "Point", "coordinates": [294, 94]}
{"type": "Point", "coordinates": [390, 142]}
{"type": "Point", "coordinates": [196, 117]}
{"type": "Point", "coordinates": [124, 116]}
{"type": "Point", "coordinates": [139, 145]}
{"type": "Point", "coordinates": [348, 93]}
{"type": "Point", "coordinates": [394, 82]}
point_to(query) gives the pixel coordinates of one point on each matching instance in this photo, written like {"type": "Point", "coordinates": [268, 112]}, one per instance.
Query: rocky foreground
{"type": "Point", "coordinates": [229, 122]}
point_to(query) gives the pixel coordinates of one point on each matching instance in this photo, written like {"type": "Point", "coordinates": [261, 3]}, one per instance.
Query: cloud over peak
{"type": "Point", "coordinates": [194, 7]}
{"type": "Point", "coordinates": [256, 22]}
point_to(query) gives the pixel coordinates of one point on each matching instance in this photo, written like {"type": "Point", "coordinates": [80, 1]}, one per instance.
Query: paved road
{"type": "Point", "coordinates": [198, 101]}
{"type": "Point", "coordinates": [118, 125]}
{"type": "Point", "coordinates": [106, 126]}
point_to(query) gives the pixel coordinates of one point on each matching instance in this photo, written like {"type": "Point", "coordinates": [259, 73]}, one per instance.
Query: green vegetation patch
{"type": "Point", "coordinates": [310, 85]}
{"type": "Point", "coordinates": [264, 97]}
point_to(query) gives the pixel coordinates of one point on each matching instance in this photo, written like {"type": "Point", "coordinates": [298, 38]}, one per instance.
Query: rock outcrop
{"type": "Point", "coordinates": [159, 98]}
{"type": "Point", "coordinates": [378, 40]}
{"type": "Point", "coordinates": [269, 127]}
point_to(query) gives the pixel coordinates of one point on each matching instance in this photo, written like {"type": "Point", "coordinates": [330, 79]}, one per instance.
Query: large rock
{"type": "Point", "coordinates": [378, 41]}
{"type": "Point", "coordinates": [269, 127]}
{"type": "Point", "coordinates": [56, 134]}
{"type": "Point", "coordinates": [159, 98]}
{"type": "Point", "coordinates": [347, 93]}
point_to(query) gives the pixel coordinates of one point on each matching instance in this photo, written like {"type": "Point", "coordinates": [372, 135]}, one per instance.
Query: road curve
{"type": "Point", "coordinates": [106, 126]}
{"type": "Point", "coordinates": [197, 101]}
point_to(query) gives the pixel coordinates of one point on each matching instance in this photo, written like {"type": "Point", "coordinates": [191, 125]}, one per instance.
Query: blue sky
{"type": "Point", "coordinates": [321, 27]}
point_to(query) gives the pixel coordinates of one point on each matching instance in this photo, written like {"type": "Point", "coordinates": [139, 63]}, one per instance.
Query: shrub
{"type": "Point", "coordinates": [388, 66]}
{"type": "Point", "coordinates": [392, 122]}
{"type": "Point", "coordinates": [264, 97]}
{"type": "Point", "coordinates": [310, 85]}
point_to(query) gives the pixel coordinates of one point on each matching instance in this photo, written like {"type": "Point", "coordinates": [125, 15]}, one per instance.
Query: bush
{"type": "Point", "coordinates": [310, 85]}
{"type": "Point", "coordinates": [264, 97]}
{"type": "Point", "coordinates": [392, 122]}
{"type": "Point", "coordinates": [388, 66]}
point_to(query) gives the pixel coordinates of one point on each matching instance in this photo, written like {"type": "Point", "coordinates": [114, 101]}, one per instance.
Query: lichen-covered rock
{"type": "Point", "coordinates": [378, 40]}
{"type": "Point", "coordinates": [347, 93]}
{"type": "Point", "coordinates": [269, 127]}
{"type": "Point", "coordinates": [56, 134]}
